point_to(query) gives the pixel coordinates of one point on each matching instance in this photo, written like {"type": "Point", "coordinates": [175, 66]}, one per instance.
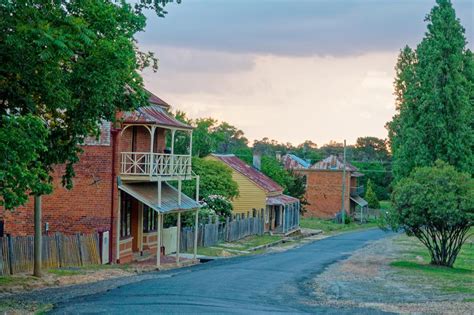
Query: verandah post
{"type": "Point", "coordinates": [178, 235]}
{"type": "Point", "coordinates": [158, 241]}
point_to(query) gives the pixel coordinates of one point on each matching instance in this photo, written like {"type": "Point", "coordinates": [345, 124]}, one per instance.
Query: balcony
{"type": "Point", "coordinates": [142, 164]}
{"type": "Point", "coordinates": [357, 191]}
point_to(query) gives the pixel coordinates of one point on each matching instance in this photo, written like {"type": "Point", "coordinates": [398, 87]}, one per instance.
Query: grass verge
{"type": "Point", "coordinates": [329, 226]}
{"type": "Point", "coordinates": [232, 249]}
{"type": "Point", "coordinates": [416, 260]}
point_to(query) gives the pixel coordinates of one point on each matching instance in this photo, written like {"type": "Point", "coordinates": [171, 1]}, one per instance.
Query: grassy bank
{"type": "Point", "coordinates": [329, 226]}
{"type": "Point", "coordinates": [459, 279]}
{"type": "Point", "coordinates": [239, 247]}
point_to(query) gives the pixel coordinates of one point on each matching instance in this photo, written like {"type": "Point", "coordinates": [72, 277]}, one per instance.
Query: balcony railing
{"type": "Point", "coordinates": [357, 191]}
{"type": "Point", "coordinates": [155, 164]}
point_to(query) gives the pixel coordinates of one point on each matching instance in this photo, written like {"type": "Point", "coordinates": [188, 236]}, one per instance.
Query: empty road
{"type": "Point", "coordinates": [270, 283]}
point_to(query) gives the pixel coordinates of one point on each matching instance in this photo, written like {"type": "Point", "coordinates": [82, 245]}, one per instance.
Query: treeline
{"type": "Point", "coordinates": [369, 154]}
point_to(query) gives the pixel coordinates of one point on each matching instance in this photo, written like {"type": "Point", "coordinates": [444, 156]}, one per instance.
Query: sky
{"type": "Point", "coordinates": [288, 70]}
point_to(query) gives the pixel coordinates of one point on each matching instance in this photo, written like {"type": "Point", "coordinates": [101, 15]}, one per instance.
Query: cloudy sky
{"type": "Point", "coordinates": [288, 70]}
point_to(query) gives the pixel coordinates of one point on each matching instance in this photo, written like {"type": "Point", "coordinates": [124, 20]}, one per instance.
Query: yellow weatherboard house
{"type": "Point", "coordinates": [260, 195]}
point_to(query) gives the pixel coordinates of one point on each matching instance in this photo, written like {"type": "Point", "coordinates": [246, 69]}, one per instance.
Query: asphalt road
{"type": "Point", "coordinates": [270, 283]}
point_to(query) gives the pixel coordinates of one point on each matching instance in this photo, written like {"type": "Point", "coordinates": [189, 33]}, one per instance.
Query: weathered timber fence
{"type": "Point", "coordinates": [212, 233]}
{"type": "Point", "coordinates": [16, 252]}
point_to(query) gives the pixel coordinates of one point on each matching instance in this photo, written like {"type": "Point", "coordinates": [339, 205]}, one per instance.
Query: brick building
{"type": "Point", "coordinates": [324, 188]}
{"type": "Point", "coordinates": [121, 185]}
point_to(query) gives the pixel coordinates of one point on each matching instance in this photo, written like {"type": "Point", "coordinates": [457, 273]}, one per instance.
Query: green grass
{"type": "Point", "coordinates": [385, 204]}
{"type": "Point", "coordinates": [221, 250]}
{"type": "Point", "coordinates": [459, 279]}
{"type": "Point", "coordinates": [16, 280]}
{"type": "Point", "coordinates": [257, 240]}
{"type": "Point", "coordinates": [65, 272]}
{"type": "Point", "coordinates": [329, 226]}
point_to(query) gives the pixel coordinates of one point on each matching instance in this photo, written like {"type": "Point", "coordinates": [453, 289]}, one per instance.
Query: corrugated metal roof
{"type": "Point", "coordinates": [250, 172]}
{"type": "Point", "coordinates": [155, 100]}
{"type": "Point", "coordinates": [333, 162]}
{"type": "Point", "coordinates": [147, 193]}
{"type": "Point", "coordinates": [291, 161]}
{"type": "Point", "coordinates": [280, 200]}
{"type": "Point", "coordinates": [152, 114]}
{"type": "Point", "coordinates": [360, 201]}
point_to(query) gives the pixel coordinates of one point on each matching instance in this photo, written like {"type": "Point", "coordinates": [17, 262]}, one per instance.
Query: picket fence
{"type": "Point", "coordinates": [16, 252]}
{"type": "Point", "coordinates": [229, 231]}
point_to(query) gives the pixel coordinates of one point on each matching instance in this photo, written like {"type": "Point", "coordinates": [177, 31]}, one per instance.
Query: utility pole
{"type": "Point", "coordinates": [343, 209]}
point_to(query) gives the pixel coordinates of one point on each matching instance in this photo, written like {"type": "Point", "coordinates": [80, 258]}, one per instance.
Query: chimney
{"type": "Point", "coordinates": [257, 161]}
{"type": "Point", "coordinates": [278, 156]}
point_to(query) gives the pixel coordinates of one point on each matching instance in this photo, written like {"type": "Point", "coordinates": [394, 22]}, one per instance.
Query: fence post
{"type": "Point", "coordinates": [58, 247]}
{"type": "Point", "coordinates": [80, 249]}
{"type": "Point", "coordinates": [10, 253]}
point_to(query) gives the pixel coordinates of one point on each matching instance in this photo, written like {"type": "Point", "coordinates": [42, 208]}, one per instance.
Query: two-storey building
{"type": "Point", "coordinates": [126, 182]}
{"type": "Point", "coordinates": [324, 188]}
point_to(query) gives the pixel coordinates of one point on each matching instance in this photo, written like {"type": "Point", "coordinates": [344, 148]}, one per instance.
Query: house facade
{"type": "Point", "coordinates": [126, 181]}
{"type": "Point", "coordinates": [324, 181]}
{"type": "Point", "coordinates": [260, 195]}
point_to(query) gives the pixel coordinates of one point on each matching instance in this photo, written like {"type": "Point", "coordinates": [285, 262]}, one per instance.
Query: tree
{"type": "Point", "coordinates": [215, 179]}
{"type": "Point", "coordinates": [371, 149]}
{"type": "Point", "coordinates": [380, 175]}
{"type": "Point", "coordinates": [69, 65]}
{"type": "Point", "coordinates": [371, 197]}
{"type": "Point", "coordinates": [434, 90]}
{"type": "Point", "coordinates": [436, 205]}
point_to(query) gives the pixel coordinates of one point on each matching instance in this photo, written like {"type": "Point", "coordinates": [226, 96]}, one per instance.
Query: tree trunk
{"type": "Point", "coordinates": [38, 240]}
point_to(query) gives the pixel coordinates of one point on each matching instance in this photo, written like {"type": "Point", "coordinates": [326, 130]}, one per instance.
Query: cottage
{"type": "Point", "coordinates": [122, 187]}
{"type": "Point", "coordinates": [324, 188]}
{"type": "Point", "coordinates": [258, 194]}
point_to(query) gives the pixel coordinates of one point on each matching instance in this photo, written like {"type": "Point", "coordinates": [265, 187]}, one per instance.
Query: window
{"type": "Point", "coordinates": [149, 219]}
{"type": "Point", "coordinates": [125, 216]}
{"type": "Point", "coordinates": [2, 224]}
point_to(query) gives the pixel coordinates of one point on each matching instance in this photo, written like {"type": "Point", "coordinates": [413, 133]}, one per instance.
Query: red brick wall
{"type": "Point", "coordinates": [324, 193]}
{"type": "Point", "coordinates": [84, 209]}
{"type": "Point", "coordinates": [142, 140]}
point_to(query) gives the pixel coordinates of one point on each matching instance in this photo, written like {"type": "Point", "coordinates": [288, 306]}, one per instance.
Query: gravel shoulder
{"type": "Point", "coordinates": [366, 279]}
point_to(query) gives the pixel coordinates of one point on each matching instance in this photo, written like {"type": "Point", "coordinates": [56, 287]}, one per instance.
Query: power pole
{"type": "Point", "coordinates": [343, 209]}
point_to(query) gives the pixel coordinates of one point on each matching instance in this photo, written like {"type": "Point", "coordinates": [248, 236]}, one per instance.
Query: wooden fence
{"type": "Point", "coordinates": [214, 232]}
{"type": "Point", "coordinates": [16, 252]}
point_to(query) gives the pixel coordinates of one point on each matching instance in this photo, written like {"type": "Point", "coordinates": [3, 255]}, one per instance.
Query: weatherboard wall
{"type": "Point", "coordinates": [251, 196]}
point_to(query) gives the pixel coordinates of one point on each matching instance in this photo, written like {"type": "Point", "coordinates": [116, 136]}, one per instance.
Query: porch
{"type": "Point", "coordinates": [282, 214]}
{"type": "Point", "coordinates": [143, 210]}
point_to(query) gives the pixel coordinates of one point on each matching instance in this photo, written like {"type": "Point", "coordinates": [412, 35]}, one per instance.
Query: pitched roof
{"type": "Point", "coordinates": [293, 161]}
{"type": "Point", "coordinates": [152, 114]}
{"type": "Point", "coordinates": [155, 100]}
{"type": "Point", "coordinates": [250, 172]}
{"type": "Point", "coordinates": [333, 162]}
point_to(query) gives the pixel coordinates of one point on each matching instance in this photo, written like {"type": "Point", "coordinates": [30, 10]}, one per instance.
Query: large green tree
{"type": "Point", "coordinates": [66, 65]}
{"type": "Point", "coordinates": [434, 90]}
{"type": "Point", "coordinates": [436, 205]}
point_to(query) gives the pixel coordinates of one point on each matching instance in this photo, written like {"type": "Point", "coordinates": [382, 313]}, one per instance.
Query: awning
{"type": "Point", "coordinates": [280, 200]}
{"type": "Point", "coordinates": [360, 201]}
{"type": "Point", "coordinates": [147, 193]}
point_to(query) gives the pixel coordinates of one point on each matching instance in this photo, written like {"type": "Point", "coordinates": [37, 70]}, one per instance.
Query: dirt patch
{"type": "Point", "coordinates": [366, 279]}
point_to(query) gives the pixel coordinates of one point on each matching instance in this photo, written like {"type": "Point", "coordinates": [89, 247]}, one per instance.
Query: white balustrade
{"type": "Point", "coordinates": [155, 164]}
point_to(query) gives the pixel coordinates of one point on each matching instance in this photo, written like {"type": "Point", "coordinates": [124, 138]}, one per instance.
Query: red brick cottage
{"type": "Point", "coordinates": [121, 186]}
{"type": "Point", "coordinates": [324, 188]}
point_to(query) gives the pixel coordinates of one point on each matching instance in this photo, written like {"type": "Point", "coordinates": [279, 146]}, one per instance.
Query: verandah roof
{"type": "Point", "coordinates": [147, 193]}
{"type": "Point", "coordinates": [360, 201]}
{"type": "Point", "coordinates": [281, 200]}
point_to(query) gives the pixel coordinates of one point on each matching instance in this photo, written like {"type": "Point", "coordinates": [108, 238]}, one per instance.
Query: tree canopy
{"type": "Point", "coordinates": [434, 90]}
{"type": "Point", "coordinates": [66, 65]}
